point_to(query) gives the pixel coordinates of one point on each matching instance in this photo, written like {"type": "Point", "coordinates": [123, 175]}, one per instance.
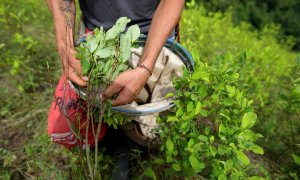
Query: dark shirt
{"type": "Point", "coordinates": [105, 13]}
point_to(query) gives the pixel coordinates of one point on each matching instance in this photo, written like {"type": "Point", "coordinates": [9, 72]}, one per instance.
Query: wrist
{"type": "Point", "coordinates": [143, 66]}
{"type": "Point", "coordinates": [143, 73]}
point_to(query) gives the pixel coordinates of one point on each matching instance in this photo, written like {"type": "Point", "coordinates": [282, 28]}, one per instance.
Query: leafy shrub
{"type": "Point", "coordinates": [265, 65]}
{"type": "Point", "coordinates": [262, 13]}
{"type": "Point", "coordinates": [209, 131]}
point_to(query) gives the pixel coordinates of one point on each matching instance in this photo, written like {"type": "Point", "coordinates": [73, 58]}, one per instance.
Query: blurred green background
{"type": "Point", "coordinates": [262, 36]}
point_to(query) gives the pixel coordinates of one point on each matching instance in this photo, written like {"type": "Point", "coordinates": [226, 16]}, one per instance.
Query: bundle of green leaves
{"type": "Point", "coordinates": [104, 55]}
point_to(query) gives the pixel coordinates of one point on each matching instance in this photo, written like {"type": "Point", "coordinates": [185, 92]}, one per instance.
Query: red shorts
{"type": "Point", "coordinates": [67, 110]}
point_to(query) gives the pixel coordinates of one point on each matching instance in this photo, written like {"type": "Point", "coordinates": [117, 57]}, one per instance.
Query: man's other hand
{"type": "Point", "coordinates": [72, 67]}
{"type": "Point", "coordinates": [127, 85]}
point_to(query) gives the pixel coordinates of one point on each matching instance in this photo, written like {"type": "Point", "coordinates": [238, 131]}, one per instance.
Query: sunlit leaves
{"type": "Point", "coordinates": [212, 121]}
{"type": "Point", "coordinates": [249, 120]}
{"type": "Point", "coordinates": [125, 48]}
{"type": "Point", "coordinates": [105, 52]}
{"type": "Point", "coordinates": [170, 146]}
{"type": "Point", "coordinates": [133, 33]}
{"type": "Point", "coordinates": [196, 164]}
{"type": "Point", "coordinates": [242, 157]}
{"type": "Point", "coordinates": [118, 28]}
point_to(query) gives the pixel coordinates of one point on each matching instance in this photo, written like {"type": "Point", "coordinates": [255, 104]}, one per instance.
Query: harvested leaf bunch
{"type": "Point", "coordinates": [105, 55]}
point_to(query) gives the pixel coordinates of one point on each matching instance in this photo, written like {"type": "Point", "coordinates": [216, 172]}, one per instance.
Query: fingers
{"type": "Point", "coordinates": [75, 63]}
{"type": "Point", "coordinates": [72, 69]}
{"type": "Point", "coordinates": [73, 76]}
{"type": "Point", "coordinates": [112, 89]}
{"type": "Point", "coordinates": [126, 96]}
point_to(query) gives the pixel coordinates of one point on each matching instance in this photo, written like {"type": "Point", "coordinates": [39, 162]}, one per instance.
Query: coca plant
{"type": "Point", "coordinates": [209, 131]}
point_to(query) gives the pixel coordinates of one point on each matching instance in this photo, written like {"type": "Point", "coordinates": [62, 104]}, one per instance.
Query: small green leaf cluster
{"type": "Point", "coordinates": [209, 132]}
{"type": "Point", "coordinates": [104, 55]}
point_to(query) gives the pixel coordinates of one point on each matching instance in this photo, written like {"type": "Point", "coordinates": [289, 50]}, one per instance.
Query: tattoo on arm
{"type": "Point", "coordinates": [67, 10]}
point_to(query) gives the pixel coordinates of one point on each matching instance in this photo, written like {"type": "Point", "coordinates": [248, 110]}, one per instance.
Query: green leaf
{"type": "Point", "coordinates": [169, 159]}
{"type": "Point", "coordinates": [222, 150]}
{"type": "Point", "coordinates": [191, 143]}
{"type": "Point", "coordinates": [196, 75]}
{"type": "Point", "coordinates": [196, 165]}
{"type": "Point", "coordinates": [222, 177]}
{"type": "Point", "coordinates": [176, 167]}
{"type": "Point", "coordinates": [169, 95]}
{"type": "Point", "coordinates": [231, 90]}
{"type": "Point", "coordinates": [100, 37]}
{"type": "Point", "coordinates": [203, 138]}
{"type": "Point", "coordinates": [211, 139]}
{"type": "Point", "coordinates": [125, 48]}
{"type": "Point", "coordinates": [170, 146]}
{"type": "Point", "coordinates": [221, 127]}
{"type": "Point", "coordinates": [249, 120]}
{"type": "Point", "coordinates": [92, 44]}
{"type": "Point", "coordinates": [190, 106]}
{"type": "Point", "coordinates": [105, 52]}
{"type": "Point", "coordinates": [255, 178]}
{"type": "Point", "coordinates": [85, 65]}
{"type": "Point", "coordinates": [159, 161]}
{"type": "Point", "coordinates": [249, 135]}
{"type": "Point", "coordinates": [204, 112]}
{"type": "Point", "coordinates": [172, 119]}
{"type": "Point", "coordinates": [150, 173]}
{"type": "Point", "coordinates": [296, 159]}
{"type": "Point", "coordinates": [133, 33]}
{"type": "Point", "coordinates": [198, 108]}
{"type": "Point", "coordinates": [179, 112]}
{"type": "Point", "coordinates": [111, 33]}
{"type": "Point", "coordinates": [242, 157]}
{"type": "Point", "coordinates": [213, 150]}
{"type": "Point", "coordinates": [256, 149]}
{"type": "Point", "coordinates": [121, 23]}
{"type": "Point", "coordinates": [117, 28]}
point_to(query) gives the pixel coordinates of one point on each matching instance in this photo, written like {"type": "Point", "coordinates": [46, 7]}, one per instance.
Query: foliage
{"type": "Point", "coordinates": [267, 74]}
{"type": "Point", "coordinates": [262, 13]}
{"type": "Point", "coordinates": [24, 48]}
{"type": "Point", "coordinates": [266, 69]}
{"type": "Point", "coordinates": [103, 57]}
{"type": "Point", "coordinates": [209, 131]}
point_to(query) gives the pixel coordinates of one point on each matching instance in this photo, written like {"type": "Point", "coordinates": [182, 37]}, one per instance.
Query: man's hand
{"type": "Point", "coordinates": [128, 84]}
{"type": "Point", "coordinates": [71, 66]}
{"type": "Point", "coordinates": [63, 12]}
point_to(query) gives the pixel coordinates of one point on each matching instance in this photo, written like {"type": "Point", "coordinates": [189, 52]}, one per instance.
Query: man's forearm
{"type": "Point", "coordinates": [63, 12]}
{"type": "Point", "coordinates": [164, 20]}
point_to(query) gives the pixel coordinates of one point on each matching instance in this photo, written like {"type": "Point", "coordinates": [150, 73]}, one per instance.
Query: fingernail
{"type": "Point", "coordinates": [85, 78]}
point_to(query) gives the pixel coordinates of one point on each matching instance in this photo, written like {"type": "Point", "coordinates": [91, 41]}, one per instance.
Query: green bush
{"type": "Point", "coordinates": [209, 132]}
{"type": "Point", "coordinates": [261, 13]}
{"type": "Point", "coordinates": [266, 69]}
